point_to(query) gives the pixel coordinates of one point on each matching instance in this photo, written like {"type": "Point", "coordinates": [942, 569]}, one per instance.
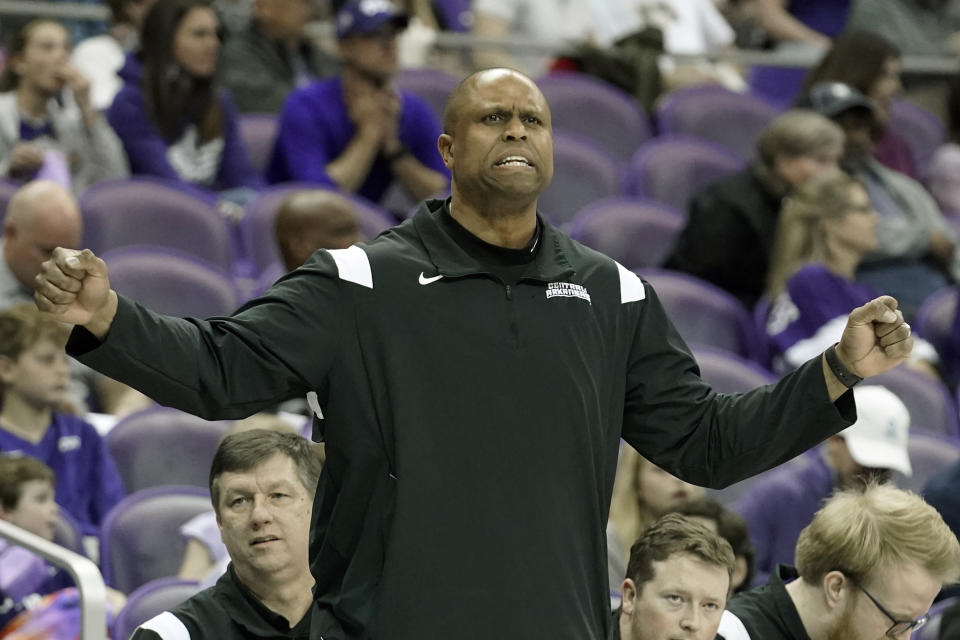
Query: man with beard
{"type": "Point", "coordinates": [868, 566]}
{"type": "Point", "coordinates": [777, 509]}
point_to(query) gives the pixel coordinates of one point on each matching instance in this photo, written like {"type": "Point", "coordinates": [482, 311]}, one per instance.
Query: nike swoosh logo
{"type": "Point", "coordinates": [426, 280]}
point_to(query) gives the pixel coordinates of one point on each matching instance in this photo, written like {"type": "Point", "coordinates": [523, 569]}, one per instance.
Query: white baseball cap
{"type": "Point", "coordinates": [879, 437]}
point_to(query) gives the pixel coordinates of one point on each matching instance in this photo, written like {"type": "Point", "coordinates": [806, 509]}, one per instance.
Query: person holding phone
{"type": "Point", "coordinates": [48, 127]}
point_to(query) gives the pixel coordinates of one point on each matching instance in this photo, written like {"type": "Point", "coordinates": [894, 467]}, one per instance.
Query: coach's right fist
{"type": "Point", "coordinates": [73, 286]}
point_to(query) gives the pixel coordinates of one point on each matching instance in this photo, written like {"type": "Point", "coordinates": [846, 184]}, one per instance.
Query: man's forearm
{"type": "Point", "coordinates": [101, 322]}
{"type": "Point", "coordinates": [351, 167]}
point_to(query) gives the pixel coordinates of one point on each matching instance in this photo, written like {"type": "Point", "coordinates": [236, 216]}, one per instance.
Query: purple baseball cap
{"type": "Point", "coordinates": [362, 17]}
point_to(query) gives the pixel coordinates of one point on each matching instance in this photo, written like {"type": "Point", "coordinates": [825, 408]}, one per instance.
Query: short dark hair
{"type": "Point", "coordinates": [730, 526]}
{"type": "Point", "coordinates": [245, 450]}
{"type": "Point", "coordinates": [15, 471]}
{"type": "Point", "coordinates": [673, 534]}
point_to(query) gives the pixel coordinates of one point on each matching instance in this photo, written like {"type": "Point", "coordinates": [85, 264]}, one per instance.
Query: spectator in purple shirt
{"type": "Point", "coordinates": [357, 131]}
{"type": "Point", "coordinates": [777, 509]}
{"type": "Point", "coordinates": [33, 377]}
{"type": "Point", "coordinates": [174, 121]}
{"type": "Point", "coordinates": [827, 226]}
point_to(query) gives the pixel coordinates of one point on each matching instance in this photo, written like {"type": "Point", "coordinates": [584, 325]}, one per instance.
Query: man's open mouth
{"type": "Point", "coordinates": [513, 161]}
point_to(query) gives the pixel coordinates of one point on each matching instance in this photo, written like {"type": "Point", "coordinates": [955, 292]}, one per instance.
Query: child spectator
{"type": "Point", "coordinates": [27, 501]}
{"type": "Point", "coordinates": [48, 127]}
{"type": "Point", "coordinates": [27, 581]}
{"type": "Point", "coordinates": [174, 121]}
{"type": "Point", "coordinates": [33, 375]}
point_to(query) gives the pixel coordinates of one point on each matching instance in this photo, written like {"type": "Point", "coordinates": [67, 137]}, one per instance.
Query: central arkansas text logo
{"type": "Point", "coordinates": [567, 290]}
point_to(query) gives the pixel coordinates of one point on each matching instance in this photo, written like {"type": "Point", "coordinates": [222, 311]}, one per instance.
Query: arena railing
{"type": "Point", "coordinates": [85, 574]}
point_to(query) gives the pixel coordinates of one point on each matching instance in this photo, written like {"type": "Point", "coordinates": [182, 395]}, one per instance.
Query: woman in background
{"type": "Point", "coordinates": [826, 228]}
{"type": "Point", "coordinates": [870, 64]}
{"type": "Point", "coordinates": [174, 121]}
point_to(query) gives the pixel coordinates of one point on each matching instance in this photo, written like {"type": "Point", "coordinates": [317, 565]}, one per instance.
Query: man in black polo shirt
{"type": "Point", "coordinates": [868, 566]}
{"type": "Point", "coordinates": [261, 485]}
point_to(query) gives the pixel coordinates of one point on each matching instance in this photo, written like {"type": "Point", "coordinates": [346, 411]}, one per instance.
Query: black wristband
{"type": "Point", "coordinates": [401, 151]}
{"type": "Point", "coordinates": [846, 377]}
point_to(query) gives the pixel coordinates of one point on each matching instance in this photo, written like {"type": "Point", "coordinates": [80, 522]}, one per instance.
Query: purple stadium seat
{"type": "Point", "coordinates": [929, 402]}
{"type": "Point", "coordinates": [582, 173]}
{"type": "Point", "coordinates": [433, 85]}
{"type": "Point", "coordinates": [258, 132]}
{"type": "Point", "coordinates": [934, 322]}
{"type": "Point", "coordinates": [676, 168]}
{"type": "Point", "coordinates": [67, 534]}
{"type": "Point", "coordinates": [929, 453]}
{"type": "Point", "coordinates": [729, 496]}
{"type": "Point", "coordinates": [454, 15]}
{"type": "Point", "coordinates": [257, 224]}
{"type": "Point", "coordinates": [159, 446]}
{"type": "Point", "coordinates": [119, 213]}
{"type": "Point", "coordinates": [729, 373]}
{"type": "Point", "coordinates": [703, 313]}
{"type": "Point", "coordinates": [140, 538]}
{"type": "Point", "coordinates": [149, 600]}
{"type": "Point", "coordinates": [172, 282]}
{"type": "Point", "coordinates": [597, 111]}
{"type": "Point", "coordinates": [923, 131]}
{"type": "Point", "coordinates": [777, 85]}
{"type": "Point", "coordinates": [634, 232]}
{"type": "Point", "coordinates": [710, 112]}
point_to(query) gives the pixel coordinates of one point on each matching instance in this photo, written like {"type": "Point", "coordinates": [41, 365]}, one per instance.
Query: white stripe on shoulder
{"type": "Point", "coordinates": [167, 626]}
{"type": "Point", "coordinates": [731, 628]}
{"type": "Point", "coordinates": [353, 265]}
{"type": "Point", "coordinates": [631, 288]}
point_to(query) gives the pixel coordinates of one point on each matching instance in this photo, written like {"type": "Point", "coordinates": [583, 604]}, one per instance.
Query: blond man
{"type": "Point", "coordinates": [868, 566]}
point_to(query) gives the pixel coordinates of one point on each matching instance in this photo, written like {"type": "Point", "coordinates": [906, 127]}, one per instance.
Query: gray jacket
{"type": "Point", "coordinates": [259, 70]}
{"type": "Point", "coordinates": [94, 153]}
{"type": "Point", "coordinates": [908, 236]}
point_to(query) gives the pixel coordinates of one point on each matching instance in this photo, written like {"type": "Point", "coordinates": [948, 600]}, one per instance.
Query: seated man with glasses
{"type": "Point", "coordinates": [868, 566]}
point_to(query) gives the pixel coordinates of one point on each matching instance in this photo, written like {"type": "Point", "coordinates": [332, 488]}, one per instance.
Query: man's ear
{"type": "Point", "coordinates": [834, 589]}
{"type": "Point", "coordinates": [628, 596]}
{"type": "Point", "coordinates": [6, 370]}
{"type": "Point", "coordinates": [445, 147]}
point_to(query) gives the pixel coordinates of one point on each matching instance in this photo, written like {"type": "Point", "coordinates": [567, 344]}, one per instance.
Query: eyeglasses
{"type": "Point", "coordinates": [898, 627]}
